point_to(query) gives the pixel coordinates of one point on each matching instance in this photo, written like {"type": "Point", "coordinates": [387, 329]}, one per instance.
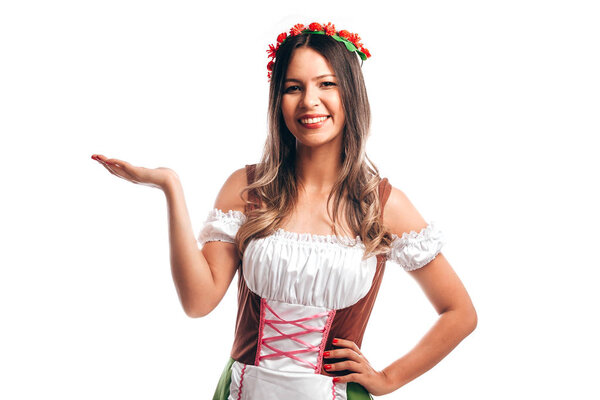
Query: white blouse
{"type": "Point", "coordinates": [316, 270]}
{"type": "Point", "coordinates": [411, 250]}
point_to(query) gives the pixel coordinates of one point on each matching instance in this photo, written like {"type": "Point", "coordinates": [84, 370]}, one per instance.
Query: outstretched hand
{"type": "Point", "coordinates": [376, 382]}
{"type": "Point", "coordinates": [156, 177]}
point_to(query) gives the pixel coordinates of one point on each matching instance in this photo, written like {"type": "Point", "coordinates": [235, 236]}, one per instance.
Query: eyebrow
{"type": "Point", "coordinates": [318, 77]}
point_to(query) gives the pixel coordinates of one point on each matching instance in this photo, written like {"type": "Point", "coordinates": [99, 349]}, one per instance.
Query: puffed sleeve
{"type": "Point", "coordinates": [415, 249]}
{"type": "Point", "coordinates": [220, 226]}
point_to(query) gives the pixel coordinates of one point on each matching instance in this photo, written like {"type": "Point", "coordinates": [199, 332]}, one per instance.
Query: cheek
{"type": "Point", "coordinates": [338, 109]}
{"type": "Point", "coordinates": [335, 104]}
{"type": "Point", "coordinates": [286, 109]}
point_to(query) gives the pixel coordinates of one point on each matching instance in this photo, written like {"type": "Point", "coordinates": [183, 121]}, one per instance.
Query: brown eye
{"type": "Point", "coordinates": [290, 89]}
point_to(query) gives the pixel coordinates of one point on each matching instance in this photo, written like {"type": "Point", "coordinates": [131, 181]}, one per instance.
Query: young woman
{"type": "Point", "coordinates": [309, 230]}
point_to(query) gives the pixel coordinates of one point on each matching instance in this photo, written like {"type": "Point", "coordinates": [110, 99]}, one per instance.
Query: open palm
{"type": "Point", "coordinates": [154, 177]}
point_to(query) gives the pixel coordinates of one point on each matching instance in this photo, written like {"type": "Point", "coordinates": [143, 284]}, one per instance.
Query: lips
{"type": "Point", "coordinates": [314, 123]}
{"type": "Point", "coordinates": [312, 118]}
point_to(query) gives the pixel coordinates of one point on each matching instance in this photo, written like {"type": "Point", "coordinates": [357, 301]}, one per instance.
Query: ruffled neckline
{"type": "Point", "coordinates": [316, 238]}
{"type": "Point", "coordinates": [240, 217]}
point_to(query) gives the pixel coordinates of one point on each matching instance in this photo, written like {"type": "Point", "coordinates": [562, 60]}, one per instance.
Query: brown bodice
{"type": "Point", "coordinates": [348, 323]}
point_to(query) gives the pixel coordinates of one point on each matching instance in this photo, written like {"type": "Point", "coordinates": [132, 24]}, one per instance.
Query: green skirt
{"type": "Point", "coordinates": [354, 391]}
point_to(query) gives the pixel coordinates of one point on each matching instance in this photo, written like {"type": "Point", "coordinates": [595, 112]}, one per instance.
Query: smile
{"type": "Point", "coordinates": [313, 122]}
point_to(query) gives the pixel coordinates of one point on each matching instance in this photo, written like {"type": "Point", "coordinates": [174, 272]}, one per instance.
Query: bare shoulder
{"type": "Point", "coordinates": [400, 215]}
{"type": "Point", "coordinates": [230, 196]}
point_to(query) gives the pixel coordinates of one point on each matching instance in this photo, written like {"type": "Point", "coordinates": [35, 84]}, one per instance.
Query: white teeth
{"type": "Point", "coordinates": [313, 120]}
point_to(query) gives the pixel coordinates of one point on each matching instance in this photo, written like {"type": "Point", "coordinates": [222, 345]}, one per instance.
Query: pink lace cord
{"type": "Point", "coordinates": [333, 396]}
{"type": "Point", "coordinates": [324, 341]}
{"type": "Point", "coordinates": [241, 383]}
{"type": "Point", "coordinates": [293, 336]}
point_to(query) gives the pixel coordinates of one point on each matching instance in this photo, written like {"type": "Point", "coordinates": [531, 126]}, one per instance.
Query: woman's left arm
{"type": "Point", "coordinates": [457, 319]}
{"type": "Point", "coordinates": [457, 316]}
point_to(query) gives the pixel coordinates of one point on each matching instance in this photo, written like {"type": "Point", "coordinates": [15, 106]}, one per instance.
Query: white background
{"type": "Point", "coordinates": [484, 114]}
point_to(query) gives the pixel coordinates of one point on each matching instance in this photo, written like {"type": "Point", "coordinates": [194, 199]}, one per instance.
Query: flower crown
{"type": "Point", "coordinates": [351, 40]}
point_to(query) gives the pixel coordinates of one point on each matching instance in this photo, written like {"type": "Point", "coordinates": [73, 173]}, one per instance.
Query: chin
{"type": "Point", "coordinates": [313, 139]}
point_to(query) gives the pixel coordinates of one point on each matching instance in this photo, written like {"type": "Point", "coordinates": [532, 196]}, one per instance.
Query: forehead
{"type": "Point", "coordinates": [306, 63]}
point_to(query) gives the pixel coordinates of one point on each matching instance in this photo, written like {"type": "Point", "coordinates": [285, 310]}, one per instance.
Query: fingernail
{"type": "Point", "coordinates": [336, 379]}
{"type": "Point", "coordinates": [326, 354]}
{"type": "Point", "coordinates": [327, 366]}
{"type": "Point", "coordinates": [335, 340]}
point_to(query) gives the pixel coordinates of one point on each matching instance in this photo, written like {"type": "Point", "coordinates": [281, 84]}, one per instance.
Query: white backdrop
{"type": "Point", "coordinates": [484, 114]}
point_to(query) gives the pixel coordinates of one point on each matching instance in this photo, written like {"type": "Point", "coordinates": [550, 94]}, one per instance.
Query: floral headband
{"type": "Point", "coordinates": [351, 40]}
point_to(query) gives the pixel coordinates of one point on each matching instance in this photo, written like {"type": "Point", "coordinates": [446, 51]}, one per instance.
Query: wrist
{"type": "Point", "coordinates": [389, 383]}
{"type": "Point", "coordinates": [394, 374]}
{"type": "Point", "coordinates": [170, 183]}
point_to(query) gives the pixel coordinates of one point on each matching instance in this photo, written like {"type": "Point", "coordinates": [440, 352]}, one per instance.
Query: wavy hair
{"type": "Point", "coordinates": [275, 181]}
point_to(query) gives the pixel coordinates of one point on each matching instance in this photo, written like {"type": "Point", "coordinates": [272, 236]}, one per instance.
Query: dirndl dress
{"type": "Point", "coordinates": [296, 292]}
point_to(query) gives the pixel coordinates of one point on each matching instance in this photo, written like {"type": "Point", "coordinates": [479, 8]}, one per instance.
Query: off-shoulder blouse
{"type": "Point", "coordinates": [411, 250]}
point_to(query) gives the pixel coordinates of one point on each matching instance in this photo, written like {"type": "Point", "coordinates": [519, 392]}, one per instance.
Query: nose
{"type": "Point", "coordinates": [311, 97]}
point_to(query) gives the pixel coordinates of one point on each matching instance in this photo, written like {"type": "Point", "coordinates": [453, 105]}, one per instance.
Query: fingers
{"type": "Point", "coordinates": [120, 163]}
{"type": "Point", "coordinates": [111, 166]}
{"type": "Point", "coordinates": [99, 157]}
{"type": "Point", "coordinates": [361, 371]}
{"type": "Point", "coordinates": [348, 378]}
{"type": "Point", "coordinates": [356, 361]}
{"type": "Point", "coordinates": [344, 353]}
{"type": "Point", "coordinates": [110, 169]}
{"type": "Point", "coordinates": [346, 343]}
{"type": "Point", "coordinates": [111, 161]}
{"type": "Point", "coordinates": [345, 365]}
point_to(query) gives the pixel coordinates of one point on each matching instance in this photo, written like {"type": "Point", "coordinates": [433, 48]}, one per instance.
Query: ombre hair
{"type": "Point", "coordinates": [357, 185]}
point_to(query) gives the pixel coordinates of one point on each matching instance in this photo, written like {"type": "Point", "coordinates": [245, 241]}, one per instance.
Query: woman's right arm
{"type": "Point", "coordinates": [201, 277]}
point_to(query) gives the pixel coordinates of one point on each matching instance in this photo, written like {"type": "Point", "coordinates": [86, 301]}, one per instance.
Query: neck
{"type": "Point", "coordinates": [317, 168]}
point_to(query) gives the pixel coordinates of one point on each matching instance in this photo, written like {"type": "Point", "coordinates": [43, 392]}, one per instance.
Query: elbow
{"type": "Point", "coordinates": [198, 306]}
{"type": "Point", "coordinates": [470, 320]}
{"type": "Point", "coordinates": [196, 311]}
{"type": "Point", "coordinates": [465, 319]}
{"type": "Point", "coordinates": [193, 313]}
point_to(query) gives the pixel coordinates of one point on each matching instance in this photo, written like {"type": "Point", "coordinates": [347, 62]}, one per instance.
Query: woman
{"type": "Point", "coordinates": [309, 230]}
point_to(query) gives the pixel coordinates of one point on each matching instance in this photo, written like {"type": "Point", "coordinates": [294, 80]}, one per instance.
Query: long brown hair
{"type": "Point", "coordinates": [275, 176]}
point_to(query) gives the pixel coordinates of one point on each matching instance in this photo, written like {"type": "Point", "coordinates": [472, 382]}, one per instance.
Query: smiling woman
{"type": "Point", "coordinates": [311, 104]}
{"type": "Point", "coordinates": [309, 230]}
{"type": "Point", "coordinates": [304, 299]}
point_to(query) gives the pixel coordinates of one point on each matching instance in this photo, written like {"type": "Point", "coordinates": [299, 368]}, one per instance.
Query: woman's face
{"type": "Point", "coordinates": [311, 102]}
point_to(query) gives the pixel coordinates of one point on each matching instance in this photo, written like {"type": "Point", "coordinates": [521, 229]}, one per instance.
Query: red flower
{"type": "Point", "coordinates": [272, 50]}
{"type": "Point", "coordinates": [355, 39]}
{"type": "Point", "coordinates": [297, 29]}
{"type": "Point", "coordinates": [329, 29]}
{"type": "Point", "coordinates": [344, 33]}
{"type": "Point", "coordinates": [315, 26]}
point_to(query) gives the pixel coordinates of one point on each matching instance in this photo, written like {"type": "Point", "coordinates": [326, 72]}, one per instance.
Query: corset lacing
{"type": "Point", "coordinates": [307, 329]}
